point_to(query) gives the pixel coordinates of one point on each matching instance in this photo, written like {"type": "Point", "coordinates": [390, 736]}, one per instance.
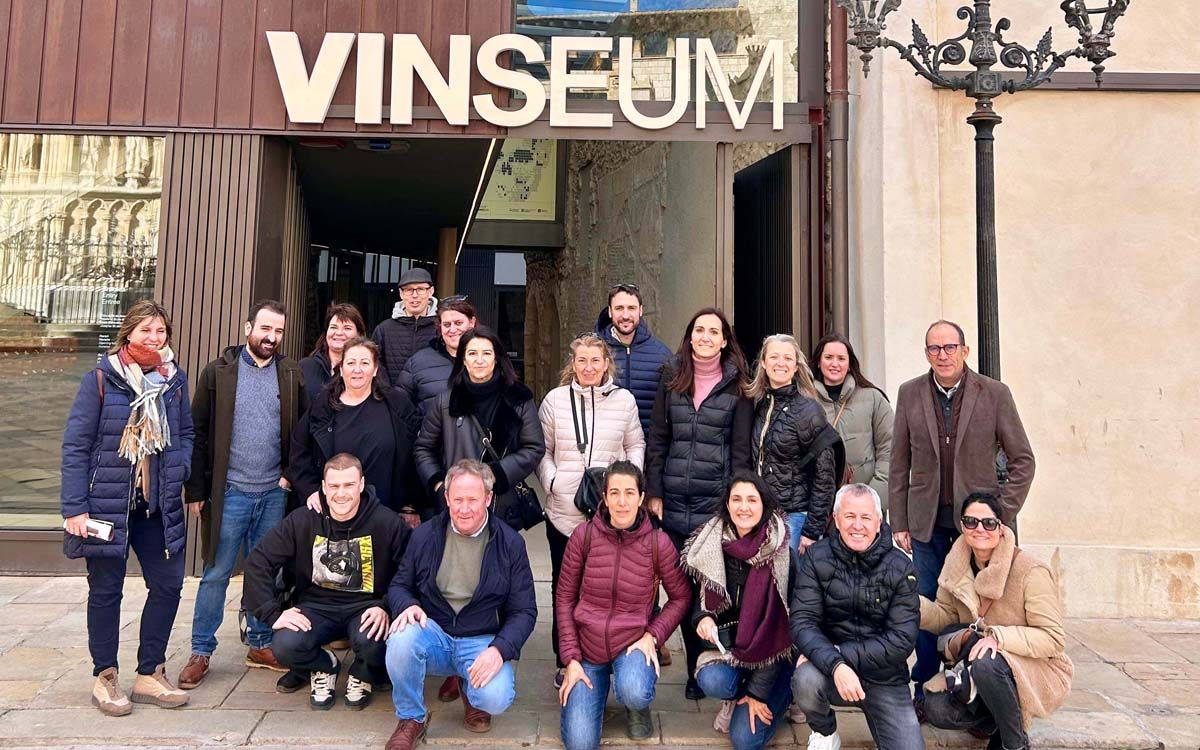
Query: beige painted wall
{"type": "Point", "coordinates": [1099, 290]}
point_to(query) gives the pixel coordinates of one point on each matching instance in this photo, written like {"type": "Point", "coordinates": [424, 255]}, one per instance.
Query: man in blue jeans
{"type": "Point", "coordinates": [246, 403]}
{"type": "Point", "coordinates": [462, 604]}
{"type": "Point", "coordinates": [954, 428]}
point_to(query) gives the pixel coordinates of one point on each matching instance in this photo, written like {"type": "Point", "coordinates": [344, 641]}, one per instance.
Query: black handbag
{"type": "Point", "coordinates": [519, 507]}
{"type": "Point", "coordinates": [590, 491]}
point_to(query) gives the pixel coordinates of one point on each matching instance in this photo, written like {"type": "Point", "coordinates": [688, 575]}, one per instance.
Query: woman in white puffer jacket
{"type": "Point", "coordinates": [603, 427]}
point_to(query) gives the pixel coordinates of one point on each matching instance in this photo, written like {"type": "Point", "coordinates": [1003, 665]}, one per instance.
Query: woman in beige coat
{"type": "Point", "coordinates": [858, 410]}
{"type": "Point", "coordinates": [587, 421]}
{"type": "Point", "coordinates": [1000, 608]}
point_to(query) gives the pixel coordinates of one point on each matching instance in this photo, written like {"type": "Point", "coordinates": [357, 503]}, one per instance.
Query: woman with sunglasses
{"type": "Point", "coordinates": [858, 410]}
{"type": "Point", "coordinates": [588, 421]}
{"type": "Point", "coordinates": [1000, 617]}
{"type": "Point", "coordinates": [699, 435]}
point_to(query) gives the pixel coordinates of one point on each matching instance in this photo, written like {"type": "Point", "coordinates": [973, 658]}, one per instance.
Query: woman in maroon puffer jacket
{"type": "Point", "coordinates": [607, 630]}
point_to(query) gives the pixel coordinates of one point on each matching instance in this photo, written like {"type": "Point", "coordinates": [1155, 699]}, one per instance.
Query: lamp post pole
{"type": "Point", "coordinates": [868, 19]}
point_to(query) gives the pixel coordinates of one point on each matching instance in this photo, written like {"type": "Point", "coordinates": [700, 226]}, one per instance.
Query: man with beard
{"type": "Point", "coordinates": [638, 354]}
{"type": "Point", "coordinates": [245, 405]}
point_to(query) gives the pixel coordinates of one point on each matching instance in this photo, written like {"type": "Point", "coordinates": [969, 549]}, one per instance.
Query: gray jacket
{"type": "Point", "coordinates": [866, 430]}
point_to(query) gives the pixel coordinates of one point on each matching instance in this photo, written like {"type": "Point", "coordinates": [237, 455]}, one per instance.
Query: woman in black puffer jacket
{"type": "Point", "coordinates": [699, 435]}
{"type": "Point", "coordinates": [795, 449]}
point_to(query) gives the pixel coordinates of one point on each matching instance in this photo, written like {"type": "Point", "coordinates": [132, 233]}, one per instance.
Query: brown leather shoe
{"type": "Point", "coordinates": [473, 719]}
{"type": "Point", "coordinates": [449, 690]}
{"type": "Point", "coordinates": [194, 671]}
{"type": "Point", "coordinates": [263, 658]}
{"type": "Point", "coordinates": [664, 656]}
{"type": "Point", "coordinates": [406, 736]}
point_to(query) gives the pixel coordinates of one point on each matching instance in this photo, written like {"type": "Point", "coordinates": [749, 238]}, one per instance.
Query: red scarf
{"type": "Point", "coordinates": [146, 358]}
{"type": "Point", "coordinates": [762, 632]}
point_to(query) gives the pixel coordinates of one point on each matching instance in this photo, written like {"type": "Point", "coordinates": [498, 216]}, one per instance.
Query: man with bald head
{"type": "Point", "coordinates": [953, 428]}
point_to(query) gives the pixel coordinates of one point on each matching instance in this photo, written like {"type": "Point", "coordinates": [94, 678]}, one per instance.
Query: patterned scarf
{"type": "Point", "coordinates": [762, 633]}
{"type": "Point", "coordinates": [147, 431]}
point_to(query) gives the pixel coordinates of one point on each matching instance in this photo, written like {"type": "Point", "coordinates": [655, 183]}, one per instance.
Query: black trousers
{"type": "Point", "coordinates": [302, 651]}
{"type": "Point", "coordinates": [106, 578]}
{"type": "Point", "coordinates": [693, 645]}
{"type": "Point", "coordinates": [996, 705]}
{"type": "Point", "coordinates": [558, 545]}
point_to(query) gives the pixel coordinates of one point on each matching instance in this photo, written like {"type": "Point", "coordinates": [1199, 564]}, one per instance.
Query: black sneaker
{"type": "Point", "coordinates": [639, 724]}
{"type": "Point", "coordinates": [358, 693]}
{"type": "Point", "coordinates": [291, 681]}
{"type": "Point", "coordinates": [692, 691]}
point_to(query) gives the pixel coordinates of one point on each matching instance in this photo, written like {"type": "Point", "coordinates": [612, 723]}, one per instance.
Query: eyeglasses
{"type": "Point", "coordinates": [414, 290]}
{"type": "Point", "coordinates": [934, 350]}
{"type": "Point", "coordinates": [989, 524]}
{"type": "Point", "coordinates": [454, 298]}
{"type": "Point", "coordinates": [626, 287]}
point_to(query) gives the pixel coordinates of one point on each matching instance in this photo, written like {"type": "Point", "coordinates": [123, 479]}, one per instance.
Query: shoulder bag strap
{"type": "Point", "coordinates": [581, 440]}
{"type": "Point", "coordinates": [837, 418]}
{"type": "Point", "coordinates": [485, 438]}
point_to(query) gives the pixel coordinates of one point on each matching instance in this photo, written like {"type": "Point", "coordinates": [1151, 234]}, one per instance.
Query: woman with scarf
{"type": "Point", "coordinates": [699, 435]}
{"type": "Point", "coordinates": [127, 450]}
{"type": "Point", "coordinates": [611, 571]}
{"type": "Point", "coordinates": [742, 564]}
{"type": "Point", "coordinates": [795, 450]}
{"type": "Point", "coordinates": [343, 322]}
{"type": "Point", "coordinates": [588, 421]}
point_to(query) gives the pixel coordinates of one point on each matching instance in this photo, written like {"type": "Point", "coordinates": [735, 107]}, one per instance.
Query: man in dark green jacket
{"type": "Point", "coordinates": [246, 403]}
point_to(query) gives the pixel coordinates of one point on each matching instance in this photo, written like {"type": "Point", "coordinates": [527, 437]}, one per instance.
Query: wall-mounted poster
{"type": "Point", "coordinates": [524, 181]}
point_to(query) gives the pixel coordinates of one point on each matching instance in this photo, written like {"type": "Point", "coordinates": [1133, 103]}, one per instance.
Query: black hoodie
{"type": "Point", "coordinates": [339, 566]}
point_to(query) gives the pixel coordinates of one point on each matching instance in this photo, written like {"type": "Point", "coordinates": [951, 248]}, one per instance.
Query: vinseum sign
{"type": "Point", "coordinates": [308, 94]}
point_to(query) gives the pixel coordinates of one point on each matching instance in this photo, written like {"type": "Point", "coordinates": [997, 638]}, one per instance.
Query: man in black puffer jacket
{"type": "Point", "coordinates": [854, 616]}
{"type": "Point", "coordinates": [638, 354]}
{"type": "Point", "coordinates": [412, 326]}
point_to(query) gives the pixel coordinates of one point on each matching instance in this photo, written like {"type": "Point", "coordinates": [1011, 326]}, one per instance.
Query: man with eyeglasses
{"type": "Point", "coordinates": [638, 354]}
{"type": "Point", "coordinates": [412, 326]}
{"type": "Point", "coordinates": [954, 427]}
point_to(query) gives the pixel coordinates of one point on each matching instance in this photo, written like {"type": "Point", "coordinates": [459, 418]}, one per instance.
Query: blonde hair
{"type": "Point", "coordinates": [803, 379]}
{"type": "Point", "coordinates": [588, 339]}
{"type": "Point", "coordinates": [139, 311]}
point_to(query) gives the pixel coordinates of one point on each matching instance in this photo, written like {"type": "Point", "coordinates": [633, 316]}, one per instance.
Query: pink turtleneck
{"type": "Point", "coordinates": [706, 375]}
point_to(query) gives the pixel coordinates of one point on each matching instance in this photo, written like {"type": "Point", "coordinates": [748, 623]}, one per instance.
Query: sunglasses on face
{"type": "Point", "coordinates": [989, 524]}
{"type": "Point", "coordinates": [455, 298]}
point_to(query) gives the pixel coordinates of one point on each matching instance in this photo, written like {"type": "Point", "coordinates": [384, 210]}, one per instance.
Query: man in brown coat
{"type": "Point", "coordinates": [951, 423]}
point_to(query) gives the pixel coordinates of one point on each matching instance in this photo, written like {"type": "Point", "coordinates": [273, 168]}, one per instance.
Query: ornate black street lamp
{"type": "Point", "coordinates": [867, 19]}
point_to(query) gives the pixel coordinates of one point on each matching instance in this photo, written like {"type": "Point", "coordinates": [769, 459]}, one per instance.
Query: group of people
{"type": "Point", "coordinates": [378, 489]}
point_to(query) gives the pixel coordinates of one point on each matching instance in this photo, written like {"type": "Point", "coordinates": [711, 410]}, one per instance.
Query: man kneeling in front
{"type": "Point", "coordinates": [854, 618]}
{"type": "Point", "coordinates": [463, 605]}
{"type": "Point", "coordinates": [342, 560]}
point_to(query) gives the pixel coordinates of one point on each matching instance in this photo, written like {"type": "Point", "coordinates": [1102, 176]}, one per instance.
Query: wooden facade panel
{"type": "Point", "coordinates": [266, 107]}
{"type": "Point", "coordinates": [201, 62]}
{"type": "Point", "coordinates": [165, 62]}
{"type": "Point", "coordinates": [94, 82]}
{"type": "Point", "coordinates": [23, 70]}
{"type": "Point", "coordinates": [130, 60]}
{"type": "Point", "coordinates": [235, 74]}
{"type": "Point", "coordinates": [60, 55]}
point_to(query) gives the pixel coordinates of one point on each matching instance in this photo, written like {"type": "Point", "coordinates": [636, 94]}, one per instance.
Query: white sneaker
{"type": "Point", "coordinates": [721, 722]}
{"type": "Point", "coordinates": [818, 741]}
{"type": "Point", "coordinates": [322, 686]}
{"type": "Point", "coordinates": [358, 693]}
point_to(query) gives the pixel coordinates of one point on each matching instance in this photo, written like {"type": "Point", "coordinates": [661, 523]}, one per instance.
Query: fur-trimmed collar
{"type": "Point", "coordinates": [462, 402]}
{"type": "Point", "coordinates": [969, 588]}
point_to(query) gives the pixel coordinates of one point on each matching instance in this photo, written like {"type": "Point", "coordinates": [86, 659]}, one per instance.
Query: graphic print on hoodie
{"type": "Point", "coordinates": [344, 564]}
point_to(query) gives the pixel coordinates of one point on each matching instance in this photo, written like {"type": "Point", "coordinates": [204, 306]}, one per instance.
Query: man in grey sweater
{"type": "Point", "coordinates": [246, 403]}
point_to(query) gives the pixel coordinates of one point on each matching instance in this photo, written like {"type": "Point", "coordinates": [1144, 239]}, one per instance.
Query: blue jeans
{"type": "Point", "coordinates": [415, 652]}
{"type": "Point", "coordinates": [887, 708]}
{"type": "Point", "coordinates": [795, 522]}
{"type": "Point", "coordinates": [633, 682]}
{"type": "Point", "coordinates": [928, 558]}
{"type": "Point", "coordinates": [722, 681]}
{"type": "Point", "coordinates": [245, 520]}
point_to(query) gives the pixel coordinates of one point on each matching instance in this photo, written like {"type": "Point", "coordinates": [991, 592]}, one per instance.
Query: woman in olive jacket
{"type": "Point", "coordinates": [699, 435]}
{"type": "Point", "coordinates": [858, 410]}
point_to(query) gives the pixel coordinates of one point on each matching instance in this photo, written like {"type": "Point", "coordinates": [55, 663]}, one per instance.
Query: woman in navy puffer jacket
{"type": "Point", "coordinates": [127, 450]}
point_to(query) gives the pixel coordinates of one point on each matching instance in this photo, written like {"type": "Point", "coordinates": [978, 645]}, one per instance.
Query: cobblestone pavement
{"type": "Point", "coordinates": [1137, 685]}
